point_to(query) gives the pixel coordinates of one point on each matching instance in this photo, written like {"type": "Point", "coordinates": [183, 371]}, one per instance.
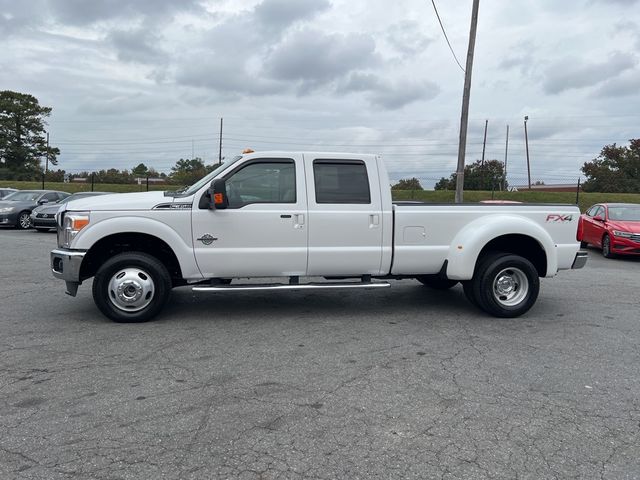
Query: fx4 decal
{"type": "Point", "coordinates": [556, 217]}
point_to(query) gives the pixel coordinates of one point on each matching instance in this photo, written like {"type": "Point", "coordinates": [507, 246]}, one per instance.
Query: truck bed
{"type": "Point", "coordinates": [427, 234]}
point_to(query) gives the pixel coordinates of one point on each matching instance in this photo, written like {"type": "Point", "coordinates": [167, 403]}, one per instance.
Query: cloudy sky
{"type": "Point", "coordinates": [135, 81]}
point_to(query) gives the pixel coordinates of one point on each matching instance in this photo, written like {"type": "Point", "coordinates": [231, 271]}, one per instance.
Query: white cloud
{"type": "Point", "coordinates": [572, 72]}
{"type": "Point", "coordinates": [344, 74]}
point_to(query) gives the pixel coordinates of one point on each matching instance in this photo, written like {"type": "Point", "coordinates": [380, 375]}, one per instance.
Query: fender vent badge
{"type": "Point", "coordinates": [207, 239]}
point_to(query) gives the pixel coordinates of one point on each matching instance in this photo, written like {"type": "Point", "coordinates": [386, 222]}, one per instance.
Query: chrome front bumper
{"type": "Point", "coordinates": [580, 260]}
{"type": "Point", "coordinates": [65, 265]}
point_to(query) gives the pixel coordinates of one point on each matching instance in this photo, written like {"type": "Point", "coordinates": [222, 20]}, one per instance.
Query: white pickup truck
{"type": "Point", "coordinates": [295, 215]}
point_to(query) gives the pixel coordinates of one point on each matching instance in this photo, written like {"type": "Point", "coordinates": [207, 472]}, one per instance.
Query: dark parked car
{"type": "Point", "coordinates": [43, 218]}
{"type": "Point", "coordinates": [4, 191]}
{"type": "Point", "coordinates": [16, 208]}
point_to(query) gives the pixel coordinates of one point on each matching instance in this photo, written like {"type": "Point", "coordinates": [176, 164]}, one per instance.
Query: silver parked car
{"type": "Point", "coordinates": [43, 218]}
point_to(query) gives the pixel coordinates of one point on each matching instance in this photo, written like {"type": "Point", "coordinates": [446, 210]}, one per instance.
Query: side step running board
{"type": "Point", "coordinates": [282, 286]}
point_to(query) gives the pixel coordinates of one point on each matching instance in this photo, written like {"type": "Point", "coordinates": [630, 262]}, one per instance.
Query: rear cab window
{"type": "Point", "coordinates": [341, 182]}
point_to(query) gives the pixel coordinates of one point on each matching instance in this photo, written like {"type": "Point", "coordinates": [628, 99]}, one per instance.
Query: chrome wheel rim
{"type": "Point", "coordinates": [24, 221]}
{"type": "Point", "coordinates": [510, 287]}
{"type": "Point", "coordinates": [131, 289]}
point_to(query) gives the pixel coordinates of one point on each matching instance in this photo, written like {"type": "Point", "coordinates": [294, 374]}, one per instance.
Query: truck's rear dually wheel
{"type": "Point", "coordinates": [505, 285]}
{"type": "Point", "coordinates": [131, 287]}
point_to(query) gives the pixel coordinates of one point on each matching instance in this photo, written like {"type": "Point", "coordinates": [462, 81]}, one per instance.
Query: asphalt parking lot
{"type": "Point", "coordinates": [401, 383]}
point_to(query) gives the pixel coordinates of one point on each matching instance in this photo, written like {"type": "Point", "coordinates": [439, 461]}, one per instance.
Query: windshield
{"type": "Point", "coordinates": [23, 196]}
{"type": "Point", "coordinates": [628, 214]}
{"type": "Point", "coordinates": [207, 178]}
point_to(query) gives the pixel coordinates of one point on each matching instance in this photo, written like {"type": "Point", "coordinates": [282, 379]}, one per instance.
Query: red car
{"type": "Point", "coordinates": [614, 227]}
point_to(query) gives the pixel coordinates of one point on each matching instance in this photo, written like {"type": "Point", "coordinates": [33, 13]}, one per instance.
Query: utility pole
{"type": "Point", "coordinates": [526, 142]}
{"type": "Point", "coordinates": [464, 117]}
{"type": "Point", "coordinates": [220, 145]}
{"type": "Point", "coordinates": [192, 151]}
{"type": "Point", "coordinates": [506, 151]}
{"type": "Point", "coordinates": [484, 145]}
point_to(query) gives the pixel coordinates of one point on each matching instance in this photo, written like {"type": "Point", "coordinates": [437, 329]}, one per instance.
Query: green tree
{"type": "Point", "coordinates": [22, 136]}
{"type": "Point", "coordinates": [616, 169]}
{"type": "Point", "coordinates": [140, 171]}
{"type": "Point", "coordinates": [188, 171]}
{"type": "Point", "coordinates": [407, 184]}
{"type": "Point", "coordinates": [477, 177]}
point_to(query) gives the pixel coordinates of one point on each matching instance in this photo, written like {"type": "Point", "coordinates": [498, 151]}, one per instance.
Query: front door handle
{"type": "Point", "coordinates": [299, 220]}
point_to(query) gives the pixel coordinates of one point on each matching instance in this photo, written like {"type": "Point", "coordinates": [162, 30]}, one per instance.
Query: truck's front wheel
{"type": "Point", "coordinates": [505, 285]}
{"type": "Point", "coordinates": [131, 287]}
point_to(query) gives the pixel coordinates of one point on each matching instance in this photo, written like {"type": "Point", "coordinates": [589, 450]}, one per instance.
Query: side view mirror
{"type": "Point", "coordinates": [218, 195]}
{"type": "Point", "coordinates": [598, 218]}
{"type": "Point", "coordinates": [43, 201]}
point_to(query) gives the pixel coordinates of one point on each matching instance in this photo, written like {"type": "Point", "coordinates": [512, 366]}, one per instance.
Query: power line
{"type": "Point", "coordinates": [445, 35]}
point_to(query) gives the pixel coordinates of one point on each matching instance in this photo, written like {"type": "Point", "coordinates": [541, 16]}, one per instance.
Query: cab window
{"type": "Point", "coordinates": [341, 181]}
{"type": "Point", "coordinates": [262, 181]}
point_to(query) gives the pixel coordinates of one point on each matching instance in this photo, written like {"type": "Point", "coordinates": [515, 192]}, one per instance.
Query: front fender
{"type": "Point", "coordinates": [134, 224]}
{"type": "Point", "coordinates": [469, 242]}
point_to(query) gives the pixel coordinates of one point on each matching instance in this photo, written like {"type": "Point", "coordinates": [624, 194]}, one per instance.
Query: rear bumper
{"type": "Point", "coordinates": [580, 260]}
{"type": "Point", "coordinates": [65, 265]}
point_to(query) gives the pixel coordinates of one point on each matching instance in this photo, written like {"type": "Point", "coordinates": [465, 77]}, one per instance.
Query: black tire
{"type": "Point", "coordinates": [505, 285]}
{"type": "Point", "coordinates": [436, 282]}
{"type": "Point", "coordinates": [606, 247]}
{"type": "Point", "coordinates": [131, 287]}
{"type": "Point", "coordinates": [24, 220]}
{"type": "Point", "coordinates": [584, 244]}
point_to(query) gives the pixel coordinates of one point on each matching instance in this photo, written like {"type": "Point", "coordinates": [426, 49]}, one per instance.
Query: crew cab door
{"type": "Point", "coordinates": [345, 215]}
{"type": "Point", "coordinates": [263, 232]}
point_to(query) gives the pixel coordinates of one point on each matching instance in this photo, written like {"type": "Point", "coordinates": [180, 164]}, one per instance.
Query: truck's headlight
{"type": "Point", "coordinates": [618, 233]}
{"type": "Point", "coordinates": [7, 209]}
{"type": "Point", "coordinates": [71, 226]}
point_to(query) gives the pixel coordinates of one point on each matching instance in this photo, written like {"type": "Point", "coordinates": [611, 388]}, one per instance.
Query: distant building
{"type": "Point", "coordinates": [557, 187]}
{"type": "Point", "coordinates": [79, 179]}
{"type": "Point", "coordinates": [141, 180]}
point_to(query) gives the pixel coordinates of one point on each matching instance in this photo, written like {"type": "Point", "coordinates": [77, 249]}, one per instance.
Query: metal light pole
{"type": "Point", "coordinates": [526, 142]}
{"type": "Point", "coordinates": [506, 152]}
{"type": "Point", "coordinates": [464, 117]}
{"type": "Point", "coordinates": [220, 145]}
{"type": "Point", "coordinates": [46, 165]}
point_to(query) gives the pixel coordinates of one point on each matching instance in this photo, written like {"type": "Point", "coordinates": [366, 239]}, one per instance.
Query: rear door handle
{"type": "Point", "coordinates": [299, 221]}
{"type": "Point", "coordinates": [374, 221]}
